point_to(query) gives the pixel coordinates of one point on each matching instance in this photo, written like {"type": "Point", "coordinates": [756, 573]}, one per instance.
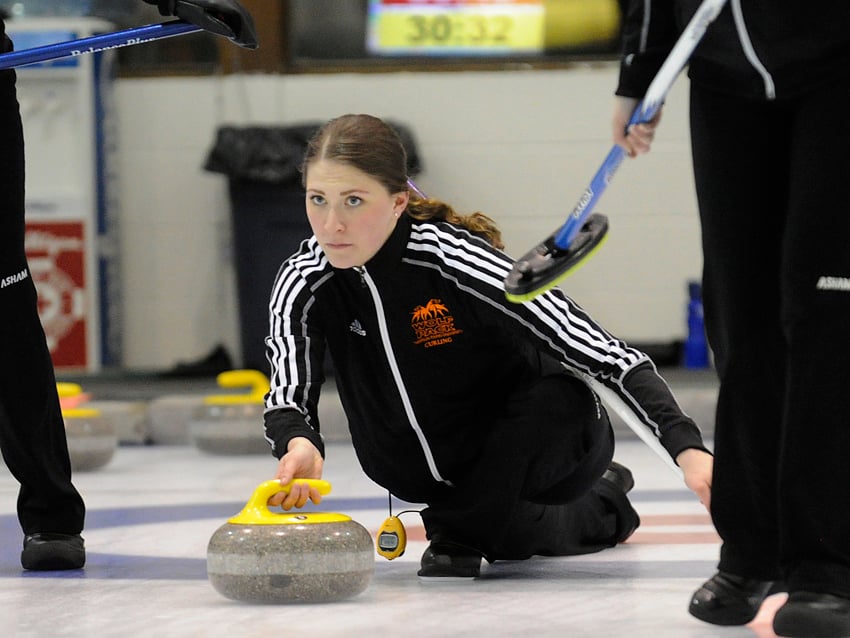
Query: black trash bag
{"type": "Point", "coordinates": [260, 153]}
{"type": "Point", "coordinates": [274, 154]}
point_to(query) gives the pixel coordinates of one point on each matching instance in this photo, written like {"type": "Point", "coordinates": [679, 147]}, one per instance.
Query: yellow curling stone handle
{"type": "Point", "coordinates": [257, 512]}
{"type": "Point", "coordinates": [65, 389]}
{"type": "Point", "coordinates": [253, 379]}
{"type": "Point", "coordinates": [75, 391]}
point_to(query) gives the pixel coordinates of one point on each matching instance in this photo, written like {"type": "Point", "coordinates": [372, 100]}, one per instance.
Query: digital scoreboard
{"type": "Point", "coordinates": [452, 27]}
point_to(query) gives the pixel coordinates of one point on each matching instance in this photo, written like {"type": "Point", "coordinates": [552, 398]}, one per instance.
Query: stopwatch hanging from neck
{"type": "Point", "coordinates": [392, 537]}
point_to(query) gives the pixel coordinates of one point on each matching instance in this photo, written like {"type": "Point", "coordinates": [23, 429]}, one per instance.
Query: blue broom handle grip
{"type": "Point", "coordinates": [96, 43]}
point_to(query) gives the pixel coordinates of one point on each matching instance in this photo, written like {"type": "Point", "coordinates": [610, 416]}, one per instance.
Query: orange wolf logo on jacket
{"type": "Point", "coordinates": [433, 324]}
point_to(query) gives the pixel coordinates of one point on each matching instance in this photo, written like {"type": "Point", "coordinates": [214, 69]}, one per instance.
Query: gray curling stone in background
{"type": "Point", "coordinates": [91, 436]}
{"type": "Point", "coordinates": [129, 418]}
{"type": "Point", "coordinates": [168, 418]}
{"type": "Point", "coordinates": [232, 423]}
{"type": "Point", "coordinates": [262, 556]}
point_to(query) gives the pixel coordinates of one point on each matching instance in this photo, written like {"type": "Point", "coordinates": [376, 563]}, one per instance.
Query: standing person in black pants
{"type": "Point", "coordinates": [32, 432]}
{"type": "Point", "coordinates": [769, 128]}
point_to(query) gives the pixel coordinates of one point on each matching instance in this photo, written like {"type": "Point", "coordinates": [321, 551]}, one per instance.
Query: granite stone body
{"type": "Point", "coordinates": [169, 417]}
{"type": "Point", "coordinates": [300, 561]}
{"type": "Point", "coordinates": [91, 439]}
{"type": "Point", "coordinates": [229, 429]}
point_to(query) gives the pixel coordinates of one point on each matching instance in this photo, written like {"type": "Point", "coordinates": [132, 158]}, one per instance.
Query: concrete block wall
{"type": "Point", "coordinates": [520, 145]}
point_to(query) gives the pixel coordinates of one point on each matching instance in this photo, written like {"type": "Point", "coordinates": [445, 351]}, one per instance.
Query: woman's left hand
{"type": "Point", "coordinates": [636, 139]}
{"type": "Point", "coordinates": [697, 466]}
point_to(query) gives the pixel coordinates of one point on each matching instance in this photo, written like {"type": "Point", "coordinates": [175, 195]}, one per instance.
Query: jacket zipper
{"type": "Point", "coordinates": [367, 281]}
{"type": "Point", "coordinates": [361, 270]}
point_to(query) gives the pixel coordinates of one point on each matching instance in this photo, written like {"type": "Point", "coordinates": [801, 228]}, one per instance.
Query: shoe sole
{"type": "Point", "coordinates": [45, 558]}
{"type": "Point", "coordinates": [447, 573]}
{"type": "Point", "coordinates": [726, 618]}
{"type": "Point", "coordinates": [444, 580]}
{"type": "Point", "coordinates": [806, 622]}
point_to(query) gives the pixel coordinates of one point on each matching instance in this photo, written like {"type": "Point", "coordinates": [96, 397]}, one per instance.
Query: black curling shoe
{"type": "Point", "coordinates": [812, 615]}
{"type": "Point", "coordinates": [620, 476]}
{"type": "Point", "coordinates": [726, 599]}
{"type": "Point", "coordinates": [614, 487]}
{"type": "Point", "coordinates": [449, 560]}
{"type": "Point", "coordinates": [49, 552]}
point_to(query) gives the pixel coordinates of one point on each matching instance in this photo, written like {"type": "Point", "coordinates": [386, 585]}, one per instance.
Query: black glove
{"type": "Point", "coordinates": [222, 17]}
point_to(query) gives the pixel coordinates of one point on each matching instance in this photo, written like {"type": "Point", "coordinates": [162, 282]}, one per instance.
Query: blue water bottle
{"type": "Point", "coordinates": [696, 346]}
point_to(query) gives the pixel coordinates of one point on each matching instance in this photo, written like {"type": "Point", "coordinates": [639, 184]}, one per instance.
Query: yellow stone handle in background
{"type": "Point", "coordinates": [257, 512]}
{"type": "Point", "coordinates": [253, 379]}
{"type": "Point", "coordinates": [67, 390]}
{"type": "Point", "coordinates": [73, 396]}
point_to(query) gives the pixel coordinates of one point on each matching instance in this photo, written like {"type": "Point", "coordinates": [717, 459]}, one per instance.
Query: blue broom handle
{"type": "Point", "coordinates": [646, 110]}
{"type": "Point", "coordinates": [587, 201]}
{"type": "Point", "coordinates": [95, 43]}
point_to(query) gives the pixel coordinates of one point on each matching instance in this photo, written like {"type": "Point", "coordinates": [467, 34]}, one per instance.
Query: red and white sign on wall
{"type": "Point", "coordinates": [56, 251]}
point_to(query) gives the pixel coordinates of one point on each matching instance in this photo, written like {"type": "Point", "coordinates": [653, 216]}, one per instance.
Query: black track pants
{"type": "Point", "coordinates": [535, 487]}
{"type": "Point", "coordinates": [32, 432]}
{"type": "Point", "coordinates": [773, 184]}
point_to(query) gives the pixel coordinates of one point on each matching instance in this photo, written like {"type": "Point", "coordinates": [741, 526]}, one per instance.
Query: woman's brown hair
{"type": "Point", "coordinates": [372, 146]}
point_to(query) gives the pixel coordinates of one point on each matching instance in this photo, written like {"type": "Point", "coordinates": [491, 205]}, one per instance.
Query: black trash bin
{"type": "Point", "coordinates": [267, 211]}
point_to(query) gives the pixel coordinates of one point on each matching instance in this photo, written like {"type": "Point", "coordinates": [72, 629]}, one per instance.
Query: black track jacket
{"type": "Point", "coordinates": [760, 49]}
{"type": "Point", "coordinates": [427, 351]}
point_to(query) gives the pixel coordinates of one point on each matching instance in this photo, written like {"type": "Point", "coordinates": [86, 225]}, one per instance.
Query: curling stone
{"type": "Point", "coordinates": [262, 556]}
{"type": "Point", "coordinates": [91, 436]}
{"type": "Point", "coordinates": [129, 418]}
{"type": "Point", "coordinates": [168, 418]}
{"type": "Point", "coordinates": [232, 423]}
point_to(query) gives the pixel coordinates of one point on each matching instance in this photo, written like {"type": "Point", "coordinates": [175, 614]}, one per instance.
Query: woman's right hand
{"type": "Point", "coordinates": [302, 460]}
{"type": "Point", "coordinates": [698, 469]}
{"type": "Point", "coordinates": [635, 139]}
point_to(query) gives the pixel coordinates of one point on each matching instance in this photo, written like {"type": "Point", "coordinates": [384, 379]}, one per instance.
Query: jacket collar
{"type": "Point", "coordinates": [390, 254]}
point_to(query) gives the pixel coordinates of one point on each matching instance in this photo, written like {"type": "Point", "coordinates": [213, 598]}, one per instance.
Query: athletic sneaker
{"type": "Point", "coordinates": [49, 551]}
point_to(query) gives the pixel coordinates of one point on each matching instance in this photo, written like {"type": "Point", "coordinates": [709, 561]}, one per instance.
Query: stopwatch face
{"type": "Point", "coordinates": [388, 540]}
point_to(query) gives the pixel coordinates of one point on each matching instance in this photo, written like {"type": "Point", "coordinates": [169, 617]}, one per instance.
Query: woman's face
{"type": "Point", "coordinates": [350, 212]}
